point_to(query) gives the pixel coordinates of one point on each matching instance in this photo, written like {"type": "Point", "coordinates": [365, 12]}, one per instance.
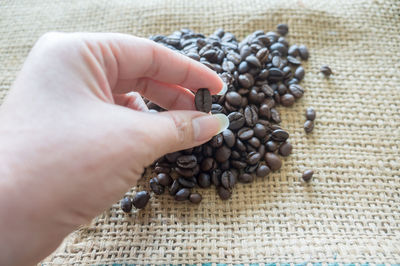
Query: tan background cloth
{"type": "Point", "coordinates": [350, 212]}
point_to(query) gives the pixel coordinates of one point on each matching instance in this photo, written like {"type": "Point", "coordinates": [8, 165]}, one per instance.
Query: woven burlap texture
{"type": "Point", "coordinates": [350, 213]}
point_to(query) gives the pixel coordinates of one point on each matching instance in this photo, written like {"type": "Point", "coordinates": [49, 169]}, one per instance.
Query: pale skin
{"type": "Point", "coordinates": [75, 134]}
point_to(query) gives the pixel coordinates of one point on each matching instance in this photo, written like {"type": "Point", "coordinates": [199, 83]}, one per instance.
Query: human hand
{"type": "Point", "coordinates": [73, 141]}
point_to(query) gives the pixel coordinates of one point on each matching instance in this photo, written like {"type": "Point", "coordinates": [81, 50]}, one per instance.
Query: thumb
{"type": "Point", "coordinates": [177, 130]}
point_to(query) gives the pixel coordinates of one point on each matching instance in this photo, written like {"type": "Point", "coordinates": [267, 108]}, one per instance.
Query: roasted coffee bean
{"type": "Point", "coordinates": [255, 142]}
{"type": "Point", "coordinates": [162, 168]}
{"type": "Point", "coordinates": [229, 138]}
{"type": "Point", "coordinates": [299, 73]}
{"type": "Point", "coordinates": [285, 149]}
{"type": "Point", "coordinates": [164, 179]}
{"type": "Point", "coordinates": [275, 115]}
{"type": "Point", "coordinates": [186, 172]}
{"type": "Point", "coordinates": [279, 135]}
{"type": "Point", "coordinates": [233, 98]}
{"type": "Point", "coordinates": [264, 111]}
{"type": "Point", "coordinates": [253, 158]}
{"type": "Point", "coordinates": [235, 155]}
{"type": "Point", "coordinates": [240, 145]}
{"type": "Point", "coordinates": [308, 126]}
{"type": "Point", "coordinates": [282, 49]}
{"type": "Point", "coordinates": [182, 194]}
{"type": "Point", "coordinates": [251, 115]}
{"type": "Point", "coordinates": [195, 198]}
{"type": "Point", "coordinates": [140, 200]}
{"type": "Point", "coordinates": [238, 164]}
{"type": "Point", "coordinates": [287, 100]}
{"type": "Point", "coordinates": [276, 61]}
{"type": "Point", "coordinates": [156, 187]}
{"type": "Point", "coordinates": [208, 164]}
{"type": "Point", "coordinates": [216, 177]}
{"type": "Point", "coordinates": [273, 161]}
{"type": "Point", "coordinates": [234, 57]}
{"type": "Point", "coordinates": [245, 133]}
{"type": "Point", "coordinates": [282, 29]}
{"type": "Point", "coordinates": [243, 67]}
{"type": "Point", "coordinates": [259, 131]}
{"type": "Point", "coordinates": [225, 165]}
{"type": "Point", "coordinates": [203, 100]}
{"type": "Point", "coordinates": [271, 146]}
{"type": "Point", "coordinates": [236, 120]}
{"type": "Point", "coordinates": [207, 150]}
{"type": "Point", "coordinates": [268, 91]}
{"type": "Point", "coordinates": [296, 90]}
{"type": "Point", "coordinates": [223, 193]}
{"type": "Point", "coordinates": [326, 70]}
{"type": "Point", "coordinates": [262, 55]}
{"type": "Point", "coordinates": [246, 80]}
{"type": "Point", "coordinates": [303, 52]}
{"type": "Point", "coordinates": [171, 157]}
{"type": "Point", "coordinates": [263, 75]}
{"type": "Point", "coordinates": [253, 60]}
{"type": "Point", "coordinates": [228, 180]}
{"type": "Point", "coordinates": [251, 168]}
{"type": "Point", "coordinates": [186, 161]}
{"type": "Point", "coordinates": [126, 205]}
{"type": "Point", "coordinates": [217, 141]}
{"type": "Point", "coordinates": [275, 74]}
{"type": "Point", "coordinates": [204, 180]}
{"type": "Point", "coordinates": [216, 109]}
{"type": "Point", "coordinates": [250, 148]}
{"type": "Point", "coordinates": [262, 170]}
{"type": "Point", "coordinates": [189, 183]}
{"type": "Point", "coordinates": [310, 114]}
{"type": "Point", "coordinates": [293, 50]}
{"type": "Point", "coordinates": [282, 89]}
{"type": "Point", "coordinates": [174, 187]}
{"type": "Point", "coordinates": [261, 150]}
{"type": "Point", "coordinates": [246, 178]}
{"type": "Point", "coordinates": [222, 154]}
{"type": "Point", "coordinates": [228, 66]}
{"type": "Point", "coordinates": [307, 175]}
{"type": "Point", "coordinates": [293, 60]}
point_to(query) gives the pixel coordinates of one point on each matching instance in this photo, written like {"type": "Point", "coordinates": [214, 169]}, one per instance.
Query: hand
{"type": "Point", "coordinates": [75, 134]}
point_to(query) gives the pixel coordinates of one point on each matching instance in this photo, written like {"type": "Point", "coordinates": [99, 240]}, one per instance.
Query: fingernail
{"type": "Point", "coordinates": [207, 126]}
{"type": "Point", "coordinates": [223, 90]}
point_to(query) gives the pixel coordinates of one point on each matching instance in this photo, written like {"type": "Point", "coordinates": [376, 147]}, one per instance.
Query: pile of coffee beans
{"type": "Point", "coordinates": [262, 72]}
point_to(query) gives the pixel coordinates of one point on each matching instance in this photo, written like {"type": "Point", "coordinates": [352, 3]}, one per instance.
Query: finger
{"type": "Point", "coordinates": [137, 57]}
{"type": "Point", "coordinates": [131, 100]}
{"type": "Point", "coordinates": [168, 96]}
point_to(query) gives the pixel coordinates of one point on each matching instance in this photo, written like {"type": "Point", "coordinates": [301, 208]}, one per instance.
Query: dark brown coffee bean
{"type": "Point", "coordinates": [326, 70]}
{"type": "Point", "coordinates": [303, 52]}
{"type": "Point", "coordinates": [228, 66]}
{"type": "Point", "coordinates": [216, 109]}
{"type": "Point", "coordinates": [156, 187]}
{"type": "Point", "coordinates": [229, 138]}
{"type": "Point", "coordinates": [267, 90]}
{"type": "Point", "coordinates": [195, 198]}
{"type": "Point", "coordinates": [299, 73]}
{"type": "Point", "coordinates": [162, 168]}
{"type": "Point", "coordinates": [250, 169]}
{"type": "Point", "coordinates": [243, 67]}
{"type": "Point", "coordinates": [236, 120]}
{"type": "Point", "coordinates": [239, 145]}
{"type": "Point", "coordinates": [216, 177]}
{"type": "Point", "coordinates": [293, 60]}
{"type": "Point", "coordinates": [217, 141]}
{"type": "Point", "coordinates": [282, 49]}
{"type": "Point", "coordinates": [255, 142]}
{"type": "Point", "coordinates": [140, 200]}
{"type": "Point", "coordinates": [208, 164]}
{"type": "Point", "coordinates": [233, 98]}
{"type": "Point", "coordinates": [282, 29]}
{"type": "Point", "coordinates": [174, 187]}
{"type": "Point", "coordinates": [171, 157]}
{"type": "Point", "coordinates": [296, 90]}
{"type": "Point", "coordinates": [185, 172]}
{"type": "Point", "coordinates": [260, 131]}
{"type": "Point", "coordinates": [164, 179]}
{"type": "Point", "coordinates": [262, 170]}
{"type": "Point", "coordinates": [182, 194]}
{"type": "Point", "coordinates": [234, 57]}
{"type": "Point", "coordinates": [223, 193]}
{"type": "Point", "coordinates": [279, 135]}
{"type": "Point", "coordinates": [235, 155]}
{"type": "Point", "coordinates": [225, 165]}
{"type": "Point", "coordinates": [287, 100]}
{"type": "Point", "coordinates": [285, 149]}
{"type": "Point", "coordinates": [261, 150]}
{"type": "Point", "coordinates": [276, 61]}
{"type": "Point", "coordinates": [271, 146]}
{"type": "Point", "coordinates": [273, 161]}
{"type": "Point", "coordinates": [307, 175]}
{"type": "Point", "coordinates": [264, 111]}
{"type": "Point", "coordinates": [253, 60]}
{"type": "Point", "coordinates": [308, 126]}
{"type": "Point", "coordinates": [246, 80]}
{"type": "Point", "coordinates": [126, 205]}
{"type": "Point", "coordinates": [262, 55]}
{"type": "Point", "coordinates": [207, 150]}
{"type": "Point", "coordinates": [238, 164]}
{"type": "Point", "coordinates": [246, 178]}
{"type": "Point", "coordinates": [204, 180]}
{"type": "Point", "coordinates": [293, 50]}
{"type": "Point", "coordinates": [189, 183]}
{"type": "Point", "coordinates": [310, 114]}
{"type": "Point", "coordinates": [263, 75]}
{"type": "Point", "coordinates": [253, 158]}
{"type": "Point", "coordinates": [245, 133]}
{"type": "Point", "coordinates": [222, 154]}
{"type": "Point", "coordinates": [228, 180]}
{"type": "Point", "coordinates": [203, 100]}
{"type": "Point", "coordinates": [250, 148]}
{"type": "Point", "coordinates": [186, 161]}
{"type": "Point", "coordinates": [251, 115]}
{"type": "Point", "coordinates": [275, 115]}
{"type": "Point", "coordinates": [275, 74]}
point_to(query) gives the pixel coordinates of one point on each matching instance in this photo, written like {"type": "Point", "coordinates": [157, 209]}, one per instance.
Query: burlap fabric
{"type": "Point", "coordinates": [351, 211]}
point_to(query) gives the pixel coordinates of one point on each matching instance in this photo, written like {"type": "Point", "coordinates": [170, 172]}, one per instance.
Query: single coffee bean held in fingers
{"type": "Point", "coordinates": [203, 100]}
{"type": "Point", "coordinates": [307, 175]}
{"type": "Point", "coordinates": [126, 205]}
{"type": "Point", "coordinates": [141, 199]}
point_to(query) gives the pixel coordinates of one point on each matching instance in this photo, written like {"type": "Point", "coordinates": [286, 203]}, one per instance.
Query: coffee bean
{"type": "Point", "coordinates": [271, 146]}
{"type": "Point", "coordinates": [282, 29]}
{"type": "Point", "coordinates": [182, 194]}
{"type": "Point", "coordinates": [303, 52]}
{"type": "Point", "coordinates": [236, 120]}
{"type": "Point", "coordinates": [156, 187]}
{"type": "Point", "coordinates": [279, 135]}
{"type": "Point", "coordinates": [216, 177]}
{"type": "Point", "coordinates": [222, 154]}
{"type": "Point", "coordinates": [250, 169]}
{"type": "Point", "coordinates": [253, 60]}
{"type": "Point", "coordinates": [186, 161]}
{"type": "Point", "coordinates": [293, 50]}
{"type": "Point", "coordinates": [255, 142]}
{"type": "Point", "coordinates": [261, 150]}
{"type": "Point", "coordinates": [282, 49]}
{"type": "Point", "coordinates": [275, 74]}
{"type": "Point", "coordinates": [260, 131]}
{"type": "Point", "coordinates": [273, 161]}
{"type": "Point", "coordinates": [216, 109]}
{"type": "Point", "coordinates": [162, 168]}
{"type": "Point", "coordinates": [195, 198]}
{"type": "Point", "coordinates": [140, 200]}
{"type": "Point", "coordinates": [223, 193]}
{"type": "Point", "coordinates": [310, 114]}
{"type": "Point", "coordinates": [185, 182]}
{"type": "Point", "coordinates": [238, 164]}
{"type": "Point", "coordinates": [225, 165]}
{"type": "Point", "coordinates": [246, 178]}
{"type": "Point", "coordinates": [265, 111]}
{"type": "Point", "coordinates": [251, 115]}
{"type": "Point", "coordinates": [262, 55]}
{"type": "Point", "coordinates": [275, 115]}
{"type": "Point", "coordinates": [326, 70]}
{"type": "Point", "coordinates": [267, 90]}
{"type": "Point", "coordinates": [245, 133]}
{"type": "Point", "coordinates": [208, 164]}
{"type": "Point", "coordinates": [243, 67]}
{"type": "Point", "coordinates": [276, 61]}
{"type": "Point", "coordinates": [228, 180]}
{"type": "Point", "coordinates": [285, 149]}
{"type": "Point", "coordinates": [233, 57]}
{"type": "Point", "coordinates": [217, 141]}
{"type": "Point", "coordinates": [307, 175]}
{"type": "Point", "coordinates": [293, 60]}
{"type": "Point", "coordinates": [299, 73]}
{"type": "Point", "coordinates": [229, 138]}
{"type": "Point", "coordinates": [287, 100]}
{"type": "Point", "coordinates": [239, 145]}
{"type": "Point", "coordinates": [246, 80]}
{"type": "Point", "coordinates": [308, 126]}
{"type": "Point", "coordinates": [186, 172]}
{"type": "Point", "coordinates": [203, 100]}
{"type": "Point", "coordinates": [164, 179]}
{"type": "Point", "coordinates": [207, 150]}
{"type": "Point", "coordinates": [262, 170]}
{"type": "Point", "coordinates": [171, 157]}
{"type": "Point", "coordinates": [253, 158]}
{"type": "Point", "coordinates": [235, 155]}
{"type": "Point", "coordinates": [233, 98]}
{"type": "Point", "coordinates": [204, 180]}
{"type": "Point", "coordinates": [126, 205]}
{"type": "Point", "coordinates": [296, 90]}
{"type": "Point", "coordinates": [174, 187]}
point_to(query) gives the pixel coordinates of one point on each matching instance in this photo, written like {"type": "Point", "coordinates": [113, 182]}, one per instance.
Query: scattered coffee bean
{"type": "Point", "coordinates": [126, 205]}
{"type": "Point", "coordinates": [182, 194]}
{"type": "Point", "coordinates": [303, 52]}
{"type": "Point", "coordinates": [156, 187]}
{"type": "Point", "coordinates": [326, 70]}
{"type": "Point", "coordinates": [273, 161]}
{"type": "Point", "coordinates": [287, 100]}
{"type": "Point", "coordinates": [164, 179]}
{"type": "Point", "coordinates": [174, 187]}
{"type": "Point", "coordinates": [282, 29]}
{"type": "Point", "coordinates": [203, 100]}
{"type": "Point", "coordinates": [140, 200]}
{"type": "Point", "coordinates": [310, 114]}
{"type": "Point", "coordinates": [285, 149]}
{"type": "Point", "coordinates": [262, 170]}
{"type": "Point", "coordinates": [307, 175]}
{"type": "Point", "coordinates": [308, 126]}
{"type": "Point", "coordinates": [195, 198]}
